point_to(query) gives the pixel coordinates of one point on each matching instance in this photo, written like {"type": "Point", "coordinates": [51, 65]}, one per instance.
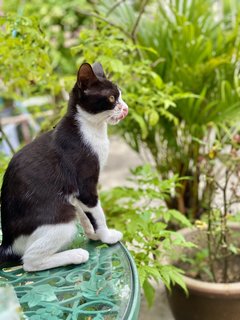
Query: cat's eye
{"type": "Point", "coordinates": [111, 99]}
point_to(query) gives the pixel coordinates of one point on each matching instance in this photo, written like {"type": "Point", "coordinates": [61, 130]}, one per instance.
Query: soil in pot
{"type": "Point", "coordinates": [206, 300]}
{"type": "Point", "coordinates": [231, 264]}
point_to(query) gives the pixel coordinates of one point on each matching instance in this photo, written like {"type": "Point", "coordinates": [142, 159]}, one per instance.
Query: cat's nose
{"type": "Point", "coordinates": [122, 106]}
{"type": "Point", "coordinates": [124, 110]}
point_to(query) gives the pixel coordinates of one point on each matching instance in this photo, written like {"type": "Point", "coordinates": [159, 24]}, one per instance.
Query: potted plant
{"type": "Point", "coordinates": [212, 268]}
{"type": "Point", "coordinates": [208, 300]}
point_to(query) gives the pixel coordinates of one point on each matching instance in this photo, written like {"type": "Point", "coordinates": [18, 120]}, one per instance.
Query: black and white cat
{"type": "Point", "coordinates": [52, 182]}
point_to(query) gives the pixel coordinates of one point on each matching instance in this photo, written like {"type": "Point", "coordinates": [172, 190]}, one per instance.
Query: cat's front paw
{"type": "Point", "coordinates": [110, 236]}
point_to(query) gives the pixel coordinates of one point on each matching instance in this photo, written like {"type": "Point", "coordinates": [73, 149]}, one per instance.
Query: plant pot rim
{"type": "Point", "coordinates": [213, 288]}
{"type": "Point", "coordinates": [210, 287]}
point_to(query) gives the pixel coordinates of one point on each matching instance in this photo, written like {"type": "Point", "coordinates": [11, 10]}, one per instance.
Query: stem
{"type": "Point", "coordinates": [180, 200]}
{"type": "Point", "coordinates": [118, 3]}
{"type": "Point", "coordinates": [94, 15]}
{"type": "Point", "coordinates": [5, 137]}
{"type": "Point", "coordinates": [223, 241]}
{"type": "Point", "coordinates": [136, 24]}
{"type": "Point", "coordinates": [195, 201]}
{"type": "Point", "coordinates": [131, 35]}
{"type": "Point", "coordinates": [210, 253]}
{"type": "Point", "coordinates": [224, 229]}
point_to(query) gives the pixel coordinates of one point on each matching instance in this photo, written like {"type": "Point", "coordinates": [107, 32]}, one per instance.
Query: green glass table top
{"type": "Point", "coordinates": [104, 288]}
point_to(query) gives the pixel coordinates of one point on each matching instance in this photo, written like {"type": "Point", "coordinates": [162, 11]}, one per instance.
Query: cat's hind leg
{"type": "Point", "coordinates": [43, 246]}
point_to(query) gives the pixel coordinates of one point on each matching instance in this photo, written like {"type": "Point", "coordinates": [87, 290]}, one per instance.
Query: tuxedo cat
{"type": "Point", "coordinates": [52, 182]}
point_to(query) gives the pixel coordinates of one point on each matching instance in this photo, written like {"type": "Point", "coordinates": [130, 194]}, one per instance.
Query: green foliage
{"type": "Point", "coordinates": [139, 213]}
{"type": "Point", "coordinates": [148, 97]}
{"type": "Point", "coordinates": [24, 51]}
{"type": "Point", "coordinates": [193, 49]}
{"type": "Point", "coordinates": [61, 21]}
{"type": "Point", "coordinates": [35, 53]}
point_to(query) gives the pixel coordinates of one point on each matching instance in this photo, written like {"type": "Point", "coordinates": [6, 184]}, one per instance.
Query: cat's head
{"type": "Point", "coordinates": [97, 98]}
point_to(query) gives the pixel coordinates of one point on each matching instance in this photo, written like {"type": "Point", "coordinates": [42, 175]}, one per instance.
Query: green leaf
{"type": "Point", "coordinates": [142, 275]}
{"type": "Point", "coordinates": [157, 80]}
{"type": "Point", "coordinates": [153, 118]}
{"type": "Point", "coordinates": [141, 123]}
{"type": "Point", "coordinates": [152, 271]}
{"type": "Point", "coordinates": [233, 248]}
{"type": "Point", "coordinates": [177, 278]}
{"type": "Point", "coordinates": [149, 292]}
{"type": "Point", "coordinates": [180, 217]}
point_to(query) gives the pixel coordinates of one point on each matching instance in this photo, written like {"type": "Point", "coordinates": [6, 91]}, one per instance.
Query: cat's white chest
{"type": "Point", "coordinates": [99, 143]}
{"type": "Point", "coordinates": [94, 135]}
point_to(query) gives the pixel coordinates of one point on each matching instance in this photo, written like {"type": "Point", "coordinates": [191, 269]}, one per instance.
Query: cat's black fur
{"type": "Point", "coordinates": [44, 173]}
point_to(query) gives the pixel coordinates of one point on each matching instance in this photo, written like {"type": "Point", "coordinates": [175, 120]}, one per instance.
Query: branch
{"type": "Point", "coordinates": [117, 4]}
{"type": "Point", "coordinates": [94, 5]}
{"type": "Point", "coordinates": [209, 243]}
{"type": "Point", "coordinates": [136, 24]}
{"type": "Point", "coordinates": [131, 35]}
{"type": "Point", "coordinates": [156, 62]}
{"type": "Point", "coordinates": [89, 14]}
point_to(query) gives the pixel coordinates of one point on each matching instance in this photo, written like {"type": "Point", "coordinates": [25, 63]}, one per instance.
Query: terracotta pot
{"type": "Point", "coordinates": [206, 301]}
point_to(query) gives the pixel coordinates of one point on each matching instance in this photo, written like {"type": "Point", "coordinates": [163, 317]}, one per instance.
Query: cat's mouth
{"type": "Point", "coordinates": [113, 121]}
{"type": "Point", "coordinates": [119, 113]}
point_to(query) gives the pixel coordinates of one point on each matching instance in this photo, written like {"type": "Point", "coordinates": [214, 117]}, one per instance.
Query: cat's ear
{"type": "Point", "coordinates": [98, 70]}
{"type": "Point", "coordinates": [86, 77]}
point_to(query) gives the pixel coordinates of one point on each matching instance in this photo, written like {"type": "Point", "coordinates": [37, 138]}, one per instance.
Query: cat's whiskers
{"type": "Point", "coordinates": [115, 114]}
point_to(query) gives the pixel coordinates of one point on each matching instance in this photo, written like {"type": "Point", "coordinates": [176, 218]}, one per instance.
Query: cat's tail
{"type": "Point", "coordinates": [8, 257]}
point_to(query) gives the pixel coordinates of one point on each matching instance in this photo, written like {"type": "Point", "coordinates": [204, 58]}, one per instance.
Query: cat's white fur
{"type": "Point", "coordinates": [40, 250]}
{"type": "Point", "coordinates": [93, 129]}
